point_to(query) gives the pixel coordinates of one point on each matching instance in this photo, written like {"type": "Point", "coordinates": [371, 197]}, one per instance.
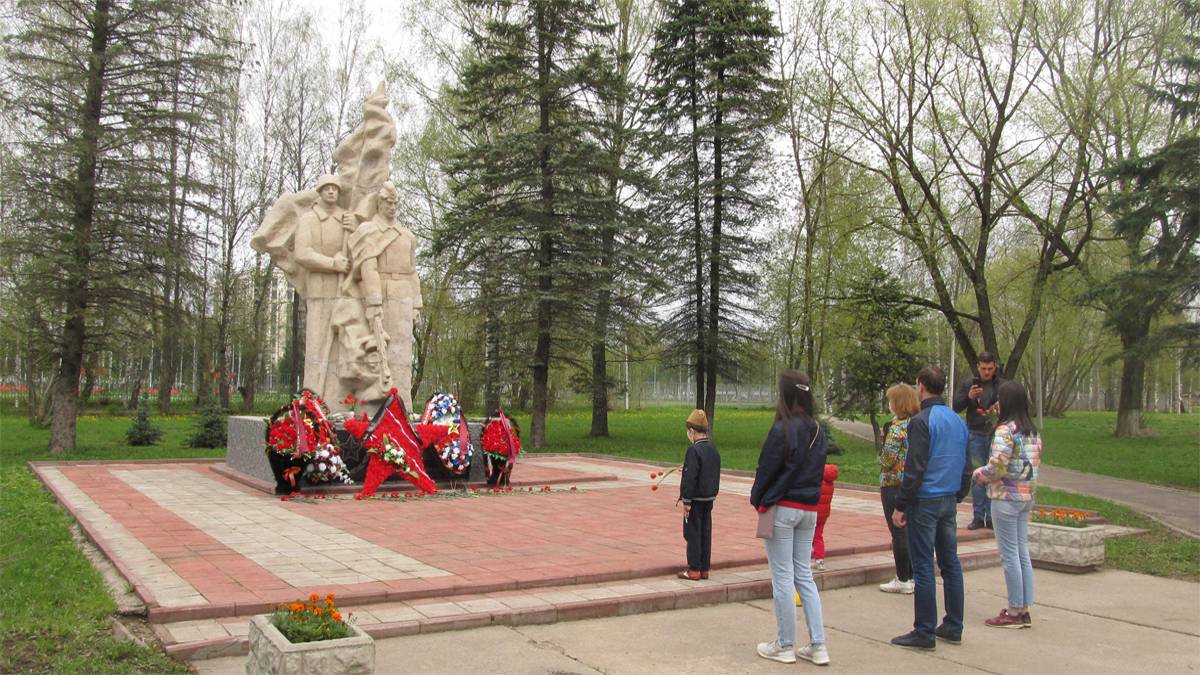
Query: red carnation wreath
{"type": "Point", "coordinates": [501, 444]}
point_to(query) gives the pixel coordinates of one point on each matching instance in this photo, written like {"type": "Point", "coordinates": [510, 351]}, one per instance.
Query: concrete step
{"type": "Point", "coordinates": [226, 636]}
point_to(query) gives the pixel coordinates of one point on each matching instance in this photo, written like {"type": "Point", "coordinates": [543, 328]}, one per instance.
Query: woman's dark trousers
{"type": "Point", "coordinates": [899, 539]}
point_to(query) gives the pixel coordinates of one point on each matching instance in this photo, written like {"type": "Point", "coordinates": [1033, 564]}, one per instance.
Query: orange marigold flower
{"type": "Point", "coordinates": [296, 607]}
{"type": "Point", "coordinates": [317, 611]}
{"type": "Point", "coordinates": [314, 597]}
{"type": "Point", "coordinates": [336, 616]}
{"type": "Point", "coordinates": [330, 597]}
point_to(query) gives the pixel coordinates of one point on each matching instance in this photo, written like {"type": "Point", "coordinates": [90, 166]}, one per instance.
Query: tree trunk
{"type": "Point", "coordinates": [700, 367]}
{"type": "Point", "coordinates": [1129, 408]}
{"type": "Point", "coordinates": [600, 345]}
{"type": "Point", "coordinates": [545, 258]}
{"type": "Point", "coordinates": [491, 361]}
{"type": "Point", "coordinates": [714, 262]}
{"type": "Point", "coordinates": [65, 405]}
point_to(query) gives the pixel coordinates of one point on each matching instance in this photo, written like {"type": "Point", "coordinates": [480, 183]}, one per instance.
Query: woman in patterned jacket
{"type": "Point", "coordinates": [1011, 479]}
{"type": "Point", "coordinates": [902, 400]}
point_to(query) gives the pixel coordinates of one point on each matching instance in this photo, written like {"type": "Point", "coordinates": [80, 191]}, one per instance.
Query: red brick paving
{"type": "Point", "coordinates": [604, 531]}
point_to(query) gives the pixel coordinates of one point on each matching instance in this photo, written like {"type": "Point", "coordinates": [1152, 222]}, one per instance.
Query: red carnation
{"type": "Point", "coordinates": [349, 400]}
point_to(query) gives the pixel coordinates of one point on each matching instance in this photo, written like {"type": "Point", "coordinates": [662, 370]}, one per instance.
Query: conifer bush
{"type": "Point", "coordinates": [141, 432]}
{"type": "Point", "coordinates": [210, 429]}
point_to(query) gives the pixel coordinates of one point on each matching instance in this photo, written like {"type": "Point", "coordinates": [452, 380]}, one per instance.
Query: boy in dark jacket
{"type": "Point", "coordinates": [697, 489]}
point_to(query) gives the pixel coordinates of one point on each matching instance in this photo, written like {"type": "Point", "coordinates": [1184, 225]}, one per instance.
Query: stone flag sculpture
{"type": "Point", "coordinates": [342, 249]}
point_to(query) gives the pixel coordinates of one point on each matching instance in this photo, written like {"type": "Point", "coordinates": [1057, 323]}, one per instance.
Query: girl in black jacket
{"type": "Point", "coordinates": [788, 482]}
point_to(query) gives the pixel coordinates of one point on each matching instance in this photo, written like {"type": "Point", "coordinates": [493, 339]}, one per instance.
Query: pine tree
{"type": "Point", "coordinates": [530, 194]}
{"type": "Point", "coordinates": [1157, 215]}
{"type": "Point", "coordinates": [211, 428]}
{"type": "Point", "coordinates": [714, 99]}
{"type": "Point", "coordinates": [141, 432]}
{"type": "Point", "coordinates": [882, 339]}
{"type": "Point", "coordinates": [91, 81]}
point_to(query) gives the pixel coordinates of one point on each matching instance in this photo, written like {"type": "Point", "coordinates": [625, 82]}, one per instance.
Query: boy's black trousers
{"type": "Point", "coordinates": [697, 531]}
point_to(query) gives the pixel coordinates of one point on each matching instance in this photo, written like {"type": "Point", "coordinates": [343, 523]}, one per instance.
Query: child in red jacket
{"type": "Point", "coordinates": [818, 552]}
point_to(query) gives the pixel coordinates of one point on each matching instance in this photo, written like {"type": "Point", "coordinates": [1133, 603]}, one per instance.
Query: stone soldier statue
{"type": "Point", "coordinates": [384, 268]}
{"type": "Point", "coordinates": [321, 247]}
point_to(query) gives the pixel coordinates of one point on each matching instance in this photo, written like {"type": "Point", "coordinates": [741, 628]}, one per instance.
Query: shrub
{"type": "Point", "coordinates": [211, 428]}
{"type": "Point", "coordinates": [141, 432]}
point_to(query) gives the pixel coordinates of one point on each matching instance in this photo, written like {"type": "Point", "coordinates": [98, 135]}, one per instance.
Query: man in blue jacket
{"type": "Point", "coordinates": [936, 478]}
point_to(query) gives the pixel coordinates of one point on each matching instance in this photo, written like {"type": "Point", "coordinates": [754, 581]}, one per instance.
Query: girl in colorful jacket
{"type": "Point", "coordinates": [1011, 479]}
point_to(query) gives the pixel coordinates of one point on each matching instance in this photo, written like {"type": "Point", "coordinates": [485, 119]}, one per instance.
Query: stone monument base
{"type": "Point", "coordinates": [246, 459]}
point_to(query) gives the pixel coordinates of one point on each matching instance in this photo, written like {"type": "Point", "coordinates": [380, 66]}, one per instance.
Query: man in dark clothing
{"type": "Point", "coordinates": [698, 489]}
{"type": "Point", "coordinates": [936, 477]}
{"type": "Point", "coordinates": [978, 396]}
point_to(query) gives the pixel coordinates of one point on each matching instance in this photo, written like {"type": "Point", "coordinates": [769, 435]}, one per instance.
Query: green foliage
{"type": "Point", "coordinates": [881, 337]}
{"type": "Point", "coordinates": [714, 100]}
{"type": "Point", "coordinates": [211, 428]}
{"type": "Point", "coordinates": [141, 432]}
{"type": "Point", "coordinates": [530, 189]}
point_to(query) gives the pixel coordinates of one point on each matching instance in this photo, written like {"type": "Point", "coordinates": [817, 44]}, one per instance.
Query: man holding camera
{"type": "Point", "coordinates": [978, 396]}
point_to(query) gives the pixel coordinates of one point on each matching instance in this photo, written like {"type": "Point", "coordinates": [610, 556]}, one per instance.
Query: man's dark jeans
{"type": "Point", "coordinates": [932, 529]}
{"type": "Point", "coordinates": [979, 447]}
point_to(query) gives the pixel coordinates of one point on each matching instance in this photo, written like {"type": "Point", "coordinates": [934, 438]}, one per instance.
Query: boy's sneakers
{"type": "Point", "coordinates": [772, 651]}
{"type": "Point", "coordinates": [818, 564]}
{"type": "Point", "coordinates": [897, 586]}
{"type": "Point", "coordinates": [1006, 620]}
{"type": "Point", "coordinates": [815, 653]}
{"type": "Point", "coordinates": [913, 641]}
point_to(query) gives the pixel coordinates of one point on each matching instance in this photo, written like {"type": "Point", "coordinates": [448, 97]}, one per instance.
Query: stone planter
{"type": "Point", "coordinates": [1067, 549]}
{"type": "Point", "coordinates": [271, 652]}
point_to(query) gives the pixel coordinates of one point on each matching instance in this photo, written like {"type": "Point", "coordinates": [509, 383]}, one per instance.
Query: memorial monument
{"type": "Point", "coordinates": [343, 250]}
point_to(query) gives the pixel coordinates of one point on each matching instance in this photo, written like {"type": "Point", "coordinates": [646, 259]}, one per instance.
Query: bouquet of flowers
{"type": "Point", "coordinates": [326, 465]}
{"type": "Point", "coordinates": [387, 449]}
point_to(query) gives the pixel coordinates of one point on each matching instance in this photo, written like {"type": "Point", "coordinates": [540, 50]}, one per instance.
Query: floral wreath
{"type": "Point", "coordinates": [454, 449]}
{"type": "Point", "coordinates": [301, 430]}
{"type": "Point", "coordinates": [390, 451]}
{"type": "Point", "coordinates": [497, 444]}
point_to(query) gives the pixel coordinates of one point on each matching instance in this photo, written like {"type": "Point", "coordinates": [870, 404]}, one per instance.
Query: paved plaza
{"type": "Point", "coordinates": [204, 552]}
{"type": "Point", "coordinates": [1107, 622]}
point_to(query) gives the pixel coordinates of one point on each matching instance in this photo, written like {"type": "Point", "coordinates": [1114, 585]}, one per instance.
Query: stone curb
{"type": "Point", "coordinates": [684, 598]}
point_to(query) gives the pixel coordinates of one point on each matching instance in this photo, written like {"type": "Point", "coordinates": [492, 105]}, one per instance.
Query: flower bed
{"type": "Point", "coordinates": [308, 637]}
{"type": "Point", "coordinates": [1067, 540]}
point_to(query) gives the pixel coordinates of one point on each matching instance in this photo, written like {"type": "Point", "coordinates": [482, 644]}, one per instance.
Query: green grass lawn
{"type": "Point", "coordinates": [658, 434]}
{"type": "Point", "coordinates": [1169, 454]}
{"type": "Point", "coordinates": [56, 608]}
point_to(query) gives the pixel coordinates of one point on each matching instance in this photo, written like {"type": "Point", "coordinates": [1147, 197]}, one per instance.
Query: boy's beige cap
{"type": "Point", "coordinates": [698, 420]}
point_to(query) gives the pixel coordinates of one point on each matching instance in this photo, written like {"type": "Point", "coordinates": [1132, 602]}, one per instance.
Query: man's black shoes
{"type": "Point", "coordinates": [952, 638]}
{"type": "Point", "coordinates": [975, 525]}
{"type": "Point", "coordinates": [913, 641]}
